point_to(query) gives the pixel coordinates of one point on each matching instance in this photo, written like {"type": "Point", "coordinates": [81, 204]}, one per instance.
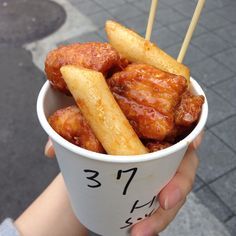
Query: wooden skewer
{"type": "Point", "coordinates": [151, 19]}
{"type": "Point", "coordinates": [190, 30]}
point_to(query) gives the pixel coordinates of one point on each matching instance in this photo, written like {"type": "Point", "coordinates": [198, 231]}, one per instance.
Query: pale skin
{"type": "Point", "coordinates": [51, 213]}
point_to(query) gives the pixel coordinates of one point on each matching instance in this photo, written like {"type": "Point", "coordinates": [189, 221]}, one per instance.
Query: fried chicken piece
{"type": "Point", "coordinates": [94, 55]}
{"type": "Point", "coordinates": [148, 97]}
{"type": "Point", "coordinates": [178, 133]}
{"type": "Point", "coordinates": [71, 125]}
{"type": "Point", "coordinates": [189, 109]}
{"type": "Point", "coordinates": [154, 146]}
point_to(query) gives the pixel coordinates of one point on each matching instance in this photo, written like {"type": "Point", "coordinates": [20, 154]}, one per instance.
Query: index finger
{"type": "Point", "coordinates": [181, 184]}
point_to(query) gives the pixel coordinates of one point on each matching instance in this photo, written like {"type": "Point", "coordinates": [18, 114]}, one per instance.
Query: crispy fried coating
{"type": "Point", "coordinates": [154, 146]}
{"type": "Point", "coordinates": [71, 125]}
{"type": "Point", "coordinates": [93, 55]}
{"type": "Point", "coordinates": [179, 132]}
{"type": "Point", "coordinates": [148, 97]}
{"type": "Point", "coordinates": [189, 109]}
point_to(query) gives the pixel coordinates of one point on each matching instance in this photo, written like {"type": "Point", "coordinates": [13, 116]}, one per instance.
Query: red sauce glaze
{"type": "Point", "coordinates": [148, 97]}
{"type": "Point", "coordinates": [189, 109]}
{"type": "Point", "coordinates": [71, 125]}
{"type": "Point", "coordinates": [95, 55]}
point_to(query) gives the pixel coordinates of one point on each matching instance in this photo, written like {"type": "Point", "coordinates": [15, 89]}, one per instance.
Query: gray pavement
{"type": "Point", "coordinates": [211, 208]}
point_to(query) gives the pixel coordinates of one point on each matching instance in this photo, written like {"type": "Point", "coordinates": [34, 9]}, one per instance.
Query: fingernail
{"type": "Point", "coordinates": [172, 200]}
{"type": "Point", "coordinates": [48, 151]}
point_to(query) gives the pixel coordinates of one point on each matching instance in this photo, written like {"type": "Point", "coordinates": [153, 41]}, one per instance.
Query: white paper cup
{"type": "Point", "coordinates": [110, 193]}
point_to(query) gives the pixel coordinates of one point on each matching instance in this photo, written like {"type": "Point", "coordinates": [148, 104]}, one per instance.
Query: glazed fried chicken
{"type": "Point", "coordinates": [154, 146]}
{"type": "Point", "coordinates": [189, 109]}
{"type": "Point", "coordinates": [157, 104]}
{"type": "Point", "coordinates": [71, 125]}
{"type": "Point", "coordinates": [148, 97]}
{"type": "Point", "coordinates": [93, 55]}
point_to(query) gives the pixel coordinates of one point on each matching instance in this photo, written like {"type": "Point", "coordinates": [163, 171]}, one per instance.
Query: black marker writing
{"type": "Point", "coordinates": [128, 223]}
{"type": "Point", "coordinates": [119, 173]}
{"type": "Point", "coordinates": [149, 204]}
{"type": "Point", "coordinates": [92, 178]}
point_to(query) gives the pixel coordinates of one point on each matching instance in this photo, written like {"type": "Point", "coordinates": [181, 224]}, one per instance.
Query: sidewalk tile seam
{"type": "Point", "coordinates": [107, 9]}
{"type": "Point", "coordinates": [221, 200]}
{"type": "Point", "coordinates": [229, 218]}
{"type": "Point", "coordinates": [221, 81]}
{"type": "Point", "coordinates": [132, 3]}
{"type": "Point", "coordinates": [99, 5]}
{"type": "Point", "coordinates": [220, 176]}
{"type": "Point", "coordinates": [117, 17]}
{"type": "Point", "coordinates": [207, 29]}
{"type": "Point", "coordinates": [179, 1]}
{"type": "Point", "coordinates": [179, 12]}
{"type": "Point", "coordinates": [212, 131]}
{"type": "Point", "coordinates": [230, 44]}
{"type": "Point", "coordinates": [87, 2]}
{"type": "Point", "coordinates": [174, 43]}
{"type": "Point", "coordinates": [202, 186]}
{"type": "Point", "coordinates": [223, 98]}
{"type": "Point", "coordinates": [219, 122]}
{"type": "Point", "coordinates": [114, 7]}
{"type": "Point", "coordinates": [233, 22]}
{"type": "Point", "coordinates": [201, 179]}
{"type": "Point", "coordinates": [209, 86]}
{"type": "Point", "coordinates": [218, 28]}
{"type": "Point", "coordinates": [217, 92]}
{"type": "Point", "coordinates": [168, 26]}
{"type": "Point", "coordinates": [225, 64]}
{"type": "Point", "coordinates": [222, 204]}
{"type": "Point", "coordinates": [215, 53]}
{"type": "Point", "coordinates": [192, 63]}
{"type": "Point", "coordinates": [183, 17]}
{"type": "Point", "coordinates": [176, 1]}
{"type": "Point", "coordinates": [199, 188]}
{"type": "Point", "coordinates": [186, 17]}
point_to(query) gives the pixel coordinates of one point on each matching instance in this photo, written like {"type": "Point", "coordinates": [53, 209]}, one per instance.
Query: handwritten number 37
{"type": "Point", "coordinates": [133, 172]}
{"type": "Point", "coordinates": [95, 183]}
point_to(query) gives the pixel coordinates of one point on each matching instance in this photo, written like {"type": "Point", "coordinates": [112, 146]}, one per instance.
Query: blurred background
{"type": "Point", "coordinates": [30, 28]}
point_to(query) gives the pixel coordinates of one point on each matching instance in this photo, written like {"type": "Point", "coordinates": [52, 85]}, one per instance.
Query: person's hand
{"type": "Point", "coordinates": [173, 195]}
{"type": "Point", "coordinates": [49, 150]}
{"type": "Point", "coordinates": [171, 198]}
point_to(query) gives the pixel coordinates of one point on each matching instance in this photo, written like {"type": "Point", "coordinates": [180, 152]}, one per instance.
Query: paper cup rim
{"type": "Point", "coordinates": [116, 158]}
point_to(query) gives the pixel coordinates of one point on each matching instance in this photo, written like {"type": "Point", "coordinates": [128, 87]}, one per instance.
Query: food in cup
{"type": "Point", "coordinates": [122, 188]}
{"type": "Point", "coordinates": [136, 49]}
{"type": "Point", "coordinates": [71, 124]}
{"type": "Point", "coordinates": [97, 56]}
{"type": "Point", "coordinates": [94, 98]}
{"type": "Point", "coordinates": [157, 103]}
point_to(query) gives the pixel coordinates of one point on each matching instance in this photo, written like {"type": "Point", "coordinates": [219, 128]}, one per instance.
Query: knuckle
{"type": "Point", "coordinates": [189, 181]}
{"type": "Point", "coordinates": [162, 225]}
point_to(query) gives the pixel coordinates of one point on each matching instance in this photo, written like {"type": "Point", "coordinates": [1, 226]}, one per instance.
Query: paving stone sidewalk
{"type": "Point", "coordinates": [211, 57]}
